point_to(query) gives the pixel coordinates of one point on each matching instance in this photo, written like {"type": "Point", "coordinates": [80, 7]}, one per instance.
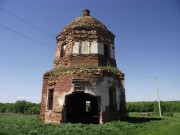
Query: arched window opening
{"type": "Point", "coordinates": [112, 98]}
{"type": "Point", "coordinates": [63, 50]}
{"type": "Point", "coordinates": [106, 50]}
{"type": "Point", "coordinates": [88, 106]}
{"type": "Point", "coordinates": [90, 44]}
{"type": "Point", "coordinates": [80, 47]}
{"type": "Point", "coordinates": [50, 99]}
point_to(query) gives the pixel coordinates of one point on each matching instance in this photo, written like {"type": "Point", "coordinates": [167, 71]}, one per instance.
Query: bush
{"type": "Point", "coordinates": [34, 109]}
{"type": "Point", "coordinates": [9, 108]}
{"type": "Point", "coordinates": [166, 106]}
{"type": "Point", "coordinates": [20, 106]}
{"type": "Point", "coordinates": [140, 106]}
{"type": "Point", "coordinates": [169, 114]}
{"type": "Point", "coordinates": [2, 108]}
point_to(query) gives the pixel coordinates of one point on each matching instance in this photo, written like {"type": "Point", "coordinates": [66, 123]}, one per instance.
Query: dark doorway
{"type": "Point", "coordinates": [82, 108]}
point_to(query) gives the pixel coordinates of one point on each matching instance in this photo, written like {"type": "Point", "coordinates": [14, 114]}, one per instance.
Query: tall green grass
{"type": "Point", "coordinates": [18, 124]}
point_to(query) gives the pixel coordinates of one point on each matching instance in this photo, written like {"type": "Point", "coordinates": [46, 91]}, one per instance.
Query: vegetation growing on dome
{"type": "Point", "coordinates": [65, 69]}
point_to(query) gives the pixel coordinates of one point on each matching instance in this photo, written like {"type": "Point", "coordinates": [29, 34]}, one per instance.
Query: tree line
{"type": "Point", "coordinates": [166, 106]}
{"type": "Point", "coordinates": [25, 107]}
{"type": "Point", "coordinates": [20, 106]}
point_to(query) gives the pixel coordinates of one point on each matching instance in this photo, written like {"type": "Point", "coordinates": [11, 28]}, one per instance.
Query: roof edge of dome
{"type": "Point", "coordinates": [79, 23]}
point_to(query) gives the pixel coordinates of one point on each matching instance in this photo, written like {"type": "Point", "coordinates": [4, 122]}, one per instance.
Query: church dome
{"type": "Point", "coordinates": [86, 22]}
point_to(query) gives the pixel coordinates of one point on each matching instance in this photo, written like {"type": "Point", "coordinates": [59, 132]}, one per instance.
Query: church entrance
{"type": "Point", "coordinates": [82, 108]}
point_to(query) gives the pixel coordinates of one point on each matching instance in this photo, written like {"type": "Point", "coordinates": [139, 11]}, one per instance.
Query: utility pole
{"type": "Point", "coordinates": [158, 97]}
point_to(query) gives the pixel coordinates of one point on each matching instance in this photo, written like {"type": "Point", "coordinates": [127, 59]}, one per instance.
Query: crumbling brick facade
{"type": "Point", "coordinates": [85, 86]}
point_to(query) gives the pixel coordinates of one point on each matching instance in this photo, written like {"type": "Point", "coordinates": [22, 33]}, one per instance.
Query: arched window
{"type": "Point", "coordinates": [112, 98]}
{"type": "Point", "coordinates": [80, 47]}
{"type": "Point", "coordinates": [50, 99]}
{"type": "Point", "coordinates": [90, 44]}
{"type": "Point", "coordinates": [106, 50]}
{"type": "Point", "coordinates": [63, 50]}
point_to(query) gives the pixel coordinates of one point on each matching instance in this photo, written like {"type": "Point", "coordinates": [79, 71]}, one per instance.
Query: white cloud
{"type": "Point", "coordinates": [2, 96]}
{"type": "Point", "coordinates": [8, 99]}
{"type": "Point", "coordinates": [31, 99]}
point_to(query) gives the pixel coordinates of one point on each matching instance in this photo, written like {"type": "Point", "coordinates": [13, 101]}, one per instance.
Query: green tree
{"type": "Point", "coordinates": [2, 108]}
{"type": "Point", "coordinates": [21, 106]}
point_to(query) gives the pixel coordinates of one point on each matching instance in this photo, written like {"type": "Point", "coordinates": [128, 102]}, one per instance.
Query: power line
{"type": "Point", "coordinates": [28, 23]}
{"type": "Point", "coordinates": [44, 44]}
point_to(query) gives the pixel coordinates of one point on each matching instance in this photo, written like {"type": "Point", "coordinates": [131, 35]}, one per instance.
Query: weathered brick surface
{"type": "Point", "coordinates": [63, 84]}
{"type": "Point", "coordinates": [85, 60]}
{"type": "Point", "coordinates": [44, 98]}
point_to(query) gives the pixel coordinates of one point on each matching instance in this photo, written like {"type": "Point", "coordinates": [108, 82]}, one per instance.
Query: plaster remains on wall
{"type": "Point", "coordinates": [98, 89]}
{"type": "Point", "coordinates": [86, 47]}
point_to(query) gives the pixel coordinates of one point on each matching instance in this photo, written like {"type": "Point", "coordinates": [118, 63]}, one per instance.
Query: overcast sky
{"type": "Point", "coordinates": [147, 44]}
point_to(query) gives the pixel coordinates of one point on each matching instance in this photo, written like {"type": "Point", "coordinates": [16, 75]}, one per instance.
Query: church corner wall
{"type": "Point", "coordinates": [44, 96]}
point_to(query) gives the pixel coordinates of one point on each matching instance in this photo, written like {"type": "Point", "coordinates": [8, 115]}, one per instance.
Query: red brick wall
{"type": "Point", "coordinates": [63, 84]}
{"type": "Point", "coordinates": [44, 98]}
{"type": "Point", "coordinates": [85, 60]}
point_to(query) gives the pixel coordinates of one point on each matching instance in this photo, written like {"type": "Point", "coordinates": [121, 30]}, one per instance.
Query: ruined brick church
{"type": "Point", "coordinates": [85, 85]}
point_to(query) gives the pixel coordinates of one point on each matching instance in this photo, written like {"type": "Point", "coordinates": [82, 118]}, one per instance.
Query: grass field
{"type": "Point", "coordinates": [16, 124]}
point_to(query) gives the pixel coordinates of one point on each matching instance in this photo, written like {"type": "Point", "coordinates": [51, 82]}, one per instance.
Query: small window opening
{"type": "Point", "coordinates": [50, 99]}
{"type": "Point", "coordinates": [88, 106]}
{"type": "Point", "coordinates": [63, 50]}
{"type": "Point", "coordinates": [80, 47]}
{"type": "Point", "coordinates": [106, 51]}
{"type": "Point", "coordinates": [112, 99]}
{"type": "Point", "coordinates": [79, 86]}
{"type": "Point", "coordinates": [90, 45]}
